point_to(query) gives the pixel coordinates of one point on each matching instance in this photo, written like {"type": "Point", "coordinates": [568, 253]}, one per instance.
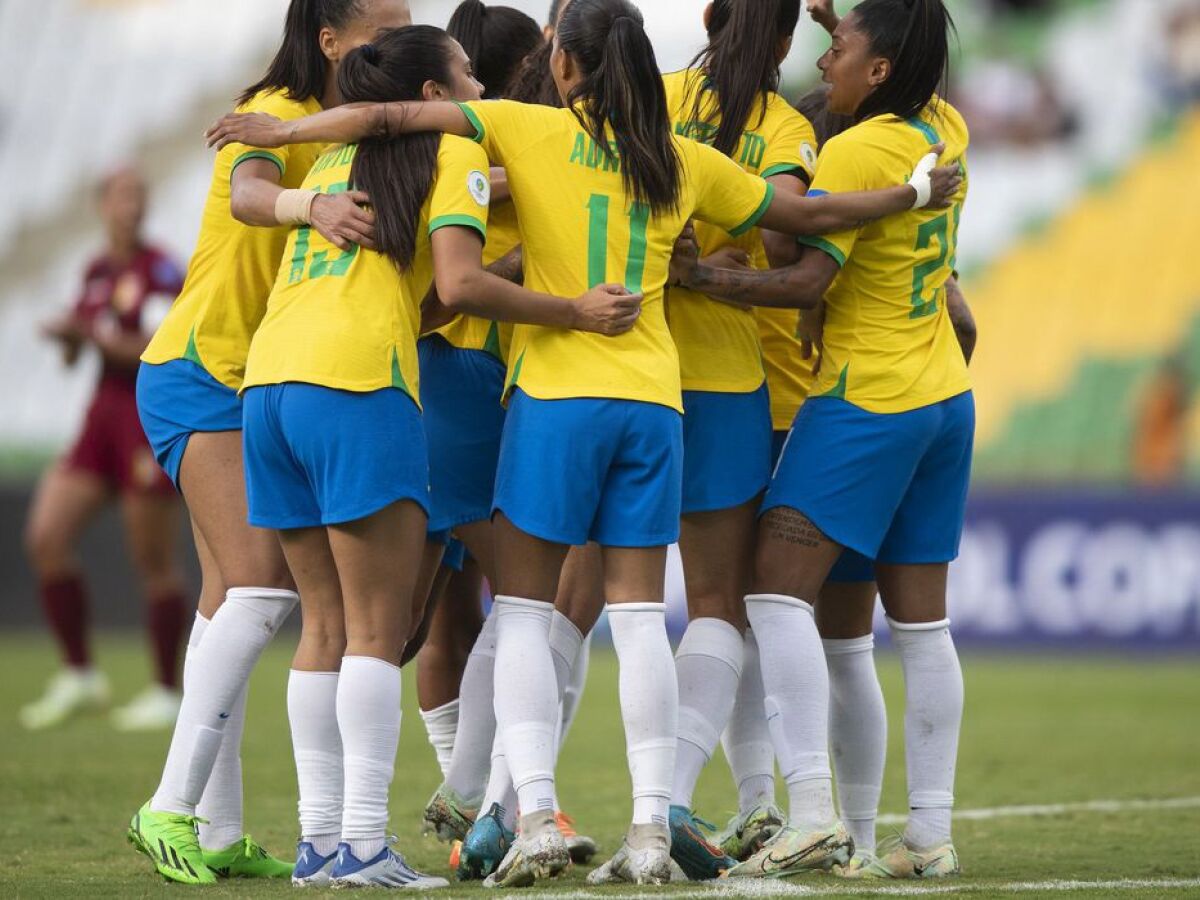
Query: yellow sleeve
{"type": "Point", "coordinates": [505, 128]}
{"type": "Point", "coordinates": [792, 147]}
{"type": "Point", "coordinates": [726, 195]}
{"type": "Point", "coordinates": [462, 190]}
{"type": "Point", "coordinates": [274, 104]}
{"type": "Point", "coordinates": [839, 171]}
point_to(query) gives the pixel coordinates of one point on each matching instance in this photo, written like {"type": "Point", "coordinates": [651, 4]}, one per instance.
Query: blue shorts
{"type": "Point", "coordinates": [455, 554]}
{"type": "Point", "coordinates": [851, 567]}
{"type": "Point", "coordinates": [318, 456]}
{"type": "Point", "coordinates": [891, 486]}
{"type": "Point", "coordinates": [579, 470]}
{"type": "Point", "coordinates": [726, 449]}
{"type": "Point", "coordinates": [460, 395]}
{"type": "Point", "coordinates": [175, 400]}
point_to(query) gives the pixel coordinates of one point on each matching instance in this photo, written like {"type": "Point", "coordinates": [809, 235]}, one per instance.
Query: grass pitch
{"type": "Point", "coordinates": [1039, 730]}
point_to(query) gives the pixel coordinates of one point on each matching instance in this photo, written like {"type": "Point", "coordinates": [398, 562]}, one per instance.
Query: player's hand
{"type": "Point", "coordinates": [935, 185]}
{"type": "Point", "coordinates": [728, 258]}
{"type": "Point", "coordinates": [67, 330]}
{"type": "Point", "coordinates": [252, 129]}
{"type": "Point", "coordinates": [608, 309]}
{"type": "Point", "coordinates": [823, 14]}
{"type": "Point", "coordinates": [685, 257]}
{"type": "Point", "coordinates": [342, 220]}
{"type": "Point", "coordinates": [811, 332]}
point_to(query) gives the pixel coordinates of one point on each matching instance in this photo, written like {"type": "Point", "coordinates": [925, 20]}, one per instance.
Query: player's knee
{"type": "Point", "coordinates": [46, 550]}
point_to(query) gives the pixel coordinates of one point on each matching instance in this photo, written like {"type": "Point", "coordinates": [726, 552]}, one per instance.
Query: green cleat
{"type": "Point", "coordinates": [170, 840]}
{"type": "Point", "coordinates": [747, 833]}
{"type": "Point", "coordinates": [246, 859]}
{"type": "Point", "coordinates": [894, 859]}
{"type": "Point", "coordinates": [448, 815]}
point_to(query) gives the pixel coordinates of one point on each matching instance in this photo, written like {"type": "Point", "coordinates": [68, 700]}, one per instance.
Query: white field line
{"type": "Point", "coordinates": [753, 887]}
{"type": "Point", "coordinates": [1059, 809]}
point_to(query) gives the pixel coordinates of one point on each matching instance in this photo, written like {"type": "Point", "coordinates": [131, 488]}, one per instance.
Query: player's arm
{"type": "Point", "coordinates": [961, 318]}
{"type": "Point", "coordinates": [122, 349]}
{"type": "Point", "coordinates": [347, 124]}
{"type": "Point", "coordinates": [824, 14]}
{"type": "Point", "coordinates": [257, 198]}
{"type": "Point", "coordinates": [464, 286]}
{"type": "Point", "coordinates": [799, 286]}
{"type": "Point", "coordinates": [782, 249]}
{"type": "Point", "coordinates": [435, 314]}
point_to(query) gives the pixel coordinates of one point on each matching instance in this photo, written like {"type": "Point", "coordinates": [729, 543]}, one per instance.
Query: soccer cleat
{"type": "Point", "coordinates": [538, 853]}
{"type": "Point", "coordinates": [386, 870]}
{"type": "Point", "coordinates": [854, 869]}
{"type": "Point", "coordinates": [582, 847]}
{"type": "Point", "coordinates": [644, 858]}
{"type": "Point", "coordinates": [70, 692]}
{"type": "Point", "coordinates": [699, 858]}
{"type": "Point", "coordinates": [312, 869]}
{"type": "Point", "coordinates": [747, 833]}
{"type": "Point", "coordinates": [154, 709]}
{"type": "Point", "coordinates": [448, 815]}
{"type": "Point", "coordinates": [456, 854]}
{"type": "Point", "coordinates": [485, 846]}
{"type": "Point", "coordinates": [792, 851]}
{"type": "Point", "coordinates": [246, 859]}
{"type": "Point", "coordinates": [894, 859]}
{"type": "Point", "coordinates": [171, 842]}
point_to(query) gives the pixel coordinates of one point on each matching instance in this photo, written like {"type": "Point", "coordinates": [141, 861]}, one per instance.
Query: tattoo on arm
{"type": "Point", "coordinates": [739, 284]}
{"type": "Point", "coordinates": [510, 267]}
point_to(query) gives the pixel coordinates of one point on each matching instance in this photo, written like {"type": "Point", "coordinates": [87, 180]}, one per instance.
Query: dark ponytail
{"type": "Point", "coordinates": [299, 65]}
{"type": "Point", "coordinates": [396, 173]}
{"type": "Point", "coordinates": [915, 36]}
{"type": "Point", "coordinates": [555, 11]}
{"type": "Point", "coordinates": [497, 39]}
{"type": "Point", "coordinates": [741, 63]}
{"type": "Point", "coordinates": [622, 88]}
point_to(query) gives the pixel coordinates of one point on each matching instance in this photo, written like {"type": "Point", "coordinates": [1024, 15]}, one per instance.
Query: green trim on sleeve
{"type": "Point", "coordinates": [463, 220]}
{"type": "Point", "coordinates": [758, 213]}
{"type": "Point", "coordinates": [258, 154]}
{"type": "Point", "coordinates": [473, 118]}
{"type": "Point", "coordinates": [821, 244]}
{"type": "Point", "coordinates": [785, 169]}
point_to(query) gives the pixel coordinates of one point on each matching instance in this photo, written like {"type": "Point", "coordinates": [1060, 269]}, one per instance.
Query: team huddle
{"type": "Point", "coordinates": [504, 302]}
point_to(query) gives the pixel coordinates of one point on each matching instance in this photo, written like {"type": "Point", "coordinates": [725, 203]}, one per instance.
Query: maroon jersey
{"type": "Point", "coordinates": [116, 297]}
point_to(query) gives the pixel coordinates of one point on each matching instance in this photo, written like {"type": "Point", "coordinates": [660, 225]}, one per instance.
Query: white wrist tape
{"type": "Point", "coordinates": [294, 207]}
{"type": "Point", "coordinates": [921, 182]}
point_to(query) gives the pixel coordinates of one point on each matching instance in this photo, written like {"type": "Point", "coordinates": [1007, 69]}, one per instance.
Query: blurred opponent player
{"type": "Point", "coordinates": [126, 292]}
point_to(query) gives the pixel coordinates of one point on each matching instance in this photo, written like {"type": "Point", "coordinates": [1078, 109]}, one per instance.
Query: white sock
{"type": "Point", "coordinates": [500, 791]}
{"type": "Point", "coordinates": [527, 699]}
{"type": "Point", "coordinates": [566, 642]}
{"type": "Point", "coordinates": [649, 693]}
{"type": "Point", "coordinates": [797, 704]}
{"type": "Point", "coordinates": [368, 717]}
{"type": "Point", "coordinates": [575, 685]}
{"type": "Point", "coordinates": [441, 726]}
{"type": "Point", "coordinates": [933, 704]}
{"type": "Point", "coordinates": [317, 745]}
{"type": "Point", "coordinates": [709, 666]}
{"type": "Point", "coordinates": [219, 669]}
{"type": "Point", "coordinates": [857, 734]}
{"type": "Point", "coordinates": [220, 805]}
{"type": "Point", "coordinates": [470, 760]}
{"type": "Point", "coordinates": [747, 740]}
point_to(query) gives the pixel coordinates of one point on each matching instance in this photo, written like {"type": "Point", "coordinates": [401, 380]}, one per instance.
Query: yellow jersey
{"type": "Point", "coordinates": [471, 332]}
{"type": "Point", "coordinates": [233, 266]}
{"type": "Point", "coordinates": [889, 343]}
{"type": "Point", "coordinates": [580, 230]}
{"type": "Point", "coordinates": [719, 346]}
{"type": "Point", "coordinates": [349, 319]}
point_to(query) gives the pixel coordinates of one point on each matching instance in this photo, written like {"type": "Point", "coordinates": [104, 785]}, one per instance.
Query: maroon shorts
{"type": "Point", "coordinates": [113, 446]}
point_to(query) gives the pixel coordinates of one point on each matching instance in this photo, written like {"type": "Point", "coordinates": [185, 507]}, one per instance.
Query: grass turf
{"type": "Point", "coordinates": [1038, 730]}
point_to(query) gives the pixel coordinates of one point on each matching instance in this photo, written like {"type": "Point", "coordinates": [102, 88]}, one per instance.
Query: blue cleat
{"type": "Point", "coordinates": [485, 846]}
{"type": "Point", "coordinates": [699, 858]}
{"type": "Point", "coordinates": [312, 869]}
{"type": "Point", "coordinates": [386, 870]}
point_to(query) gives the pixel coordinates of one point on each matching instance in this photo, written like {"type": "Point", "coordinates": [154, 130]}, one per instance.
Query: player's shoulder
{"type": "Point", "coordinates": [281, 104]}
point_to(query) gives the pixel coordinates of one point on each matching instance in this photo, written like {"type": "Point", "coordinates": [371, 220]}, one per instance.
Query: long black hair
{"type": "Point", "coordinates": [622, 88]}
{"type": "Point", "coordinates": [299, 65]}
{"type": "Point", "coordinates": [497, 39]}
{"type": "Point", "coordinates": [915, 36]}
{"type": "Point", "coordinates": [741, 62]}
{"type": "Point", "coordinates": [555, 12]}
{"type": "Point", "coordinates": [396, 173]}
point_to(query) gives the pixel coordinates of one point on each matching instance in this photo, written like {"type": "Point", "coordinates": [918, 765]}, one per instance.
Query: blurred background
{"type": "Point", "coordinates": [1080, 255]}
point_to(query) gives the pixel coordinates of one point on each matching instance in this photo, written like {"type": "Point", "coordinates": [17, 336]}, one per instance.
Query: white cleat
{"type": "Point", "coordinates": [70, 692]}
{"type": "Point", "coordinates": [644, 858]}
{"type": "Point", "coordinates": [154, 709]}
{"type": "Point", "coordinates": [386, 870]}
{"type": "Point", "coordinates": [539, 853]}
{"type": "Point", "coordinates": [894, 859]}
{"type": "Point", "coordinates": [792, 851]}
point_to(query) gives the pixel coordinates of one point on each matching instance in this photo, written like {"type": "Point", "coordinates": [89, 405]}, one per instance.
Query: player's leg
{"type": "Point", "coordinates": [152, 522]}
{"type": "Point", "coordinates": [66, 500]}
{"type": "Point", "coordinates": [857, 715]}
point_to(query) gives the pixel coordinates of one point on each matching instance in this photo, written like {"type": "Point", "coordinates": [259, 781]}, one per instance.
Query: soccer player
{"type": "Point", "coordinates": [878, 460]}
{"type": "Point", "coordinates": [592, 444]}
{"type": "Point", "coordinates": [188, 401]}
{"type": "Point", "coordinates": [727, 99]}
{"type": "Point", "coordinates": [126, 292]}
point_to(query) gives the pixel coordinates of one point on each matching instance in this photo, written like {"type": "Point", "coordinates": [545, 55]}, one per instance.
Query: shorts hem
{"type": "Point", "coordinates": [543, 532]}
{"type": "Point", "coordinates": [923, 560]}
{"type": "Point", "coordinates": [707, 506]}
{"type": "Point", "coordinates": [449, 523]}
{"type": "Point", "coordinates": [635, 543]}
{"type": "Point", "coordinates": [328, 520]}
{"type": "Point", "coordinates": [860, 549]}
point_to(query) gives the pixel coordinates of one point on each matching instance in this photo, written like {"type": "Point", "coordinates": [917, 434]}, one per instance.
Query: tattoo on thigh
{"type": "Point", "coordinates": [793, 527]}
